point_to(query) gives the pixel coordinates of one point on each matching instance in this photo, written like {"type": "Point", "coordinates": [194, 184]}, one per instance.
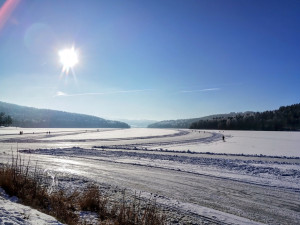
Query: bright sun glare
{"type": "Point", "coordinates": [68, 58]}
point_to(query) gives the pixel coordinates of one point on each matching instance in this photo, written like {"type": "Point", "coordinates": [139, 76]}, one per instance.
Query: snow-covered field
{"type": "Point", "coordinates": [271, 143]}
{"type": "Point", "coordinates": [252, 177]}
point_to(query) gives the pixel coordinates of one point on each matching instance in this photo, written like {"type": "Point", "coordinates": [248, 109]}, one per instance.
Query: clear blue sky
{"type": "Point", "coordinates": [165, 59]}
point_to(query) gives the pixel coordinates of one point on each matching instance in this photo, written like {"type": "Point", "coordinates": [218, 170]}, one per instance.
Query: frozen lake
{"type": "Point", "coordinates": [251, 177]}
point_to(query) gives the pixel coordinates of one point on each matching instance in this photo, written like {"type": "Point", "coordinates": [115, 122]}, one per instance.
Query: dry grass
{"type": "Point", "coordinates": [16, 180]}
{"type": "Point", "coordinates": [121, 213]}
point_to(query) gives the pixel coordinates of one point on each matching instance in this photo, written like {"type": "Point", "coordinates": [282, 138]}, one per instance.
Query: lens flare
{"type": "Point", "coordinates": [6, 10]}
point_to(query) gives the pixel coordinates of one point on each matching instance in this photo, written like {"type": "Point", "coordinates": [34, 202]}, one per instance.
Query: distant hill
{"type": "Point", "coordinates": [186, 123]}
{"type": "Point", "coordinates": [285, 118]}
{"type": "Point", "coordinates": [23, 116]}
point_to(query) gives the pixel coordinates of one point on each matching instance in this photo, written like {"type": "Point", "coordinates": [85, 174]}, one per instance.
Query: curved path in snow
{"type": "Point", "coordinates": [187, 192]}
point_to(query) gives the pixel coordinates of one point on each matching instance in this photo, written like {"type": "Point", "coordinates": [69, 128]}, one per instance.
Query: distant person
{"type": "Point", "coordinates": [223, 138]}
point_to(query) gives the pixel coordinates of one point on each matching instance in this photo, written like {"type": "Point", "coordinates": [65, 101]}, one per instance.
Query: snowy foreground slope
{"type": "Point", "coordinates": [251, 178]}
{"type": "Point", "coordinates": [14, 213]}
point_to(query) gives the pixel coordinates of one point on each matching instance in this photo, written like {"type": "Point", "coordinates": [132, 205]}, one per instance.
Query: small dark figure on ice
{"type": "Point", "coordinates": [223, 138]}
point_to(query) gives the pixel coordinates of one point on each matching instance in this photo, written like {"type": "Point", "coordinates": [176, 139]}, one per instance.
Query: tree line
{"type": "Point", "coordinates": [23, 116]}
{"type": "Point", "coordinates": [5, 120]}
{"type": "Point", "coordinates": [286, 118]}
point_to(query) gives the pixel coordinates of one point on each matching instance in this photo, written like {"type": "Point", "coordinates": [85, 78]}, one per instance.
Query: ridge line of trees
{"type": "Point", "coordinates": [286, 118]}
{"type": "Point", "coordinates": [23, 116]}
{"type": "Point", "coordinates": [5, 120]}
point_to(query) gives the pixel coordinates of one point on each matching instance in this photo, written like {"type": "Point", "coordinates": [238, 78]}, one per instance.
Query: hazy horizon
{"type": "Point", "coordinates": [145, 120]}
{"type": "Point", "coordinates": [156, 60]}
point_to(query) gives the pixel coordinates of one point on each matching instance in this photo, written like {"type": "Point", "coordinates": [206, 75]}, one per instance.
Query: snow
{"type": "Point", "coordinates": [118, 134]}
{"type": "Point", "coordinates": [252, 177]}
{"type": "Point", "coordinates": [224, 218]}
{"type": "Point", "coordinates": [14, 213]}
{"type": "Point", "coordinates": [260, 170]}
{"type": "Point", "coordinates": [273, 143]}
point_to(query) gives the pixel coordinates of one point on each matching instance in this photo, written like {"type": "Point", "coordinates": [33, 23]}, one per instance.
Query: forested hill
{"type": "Point", "coordinates": [32, 117]}
{"type": "Point", "coordinates": [185, 123]}
{"type": "Point", "coordinates": [285, 118]}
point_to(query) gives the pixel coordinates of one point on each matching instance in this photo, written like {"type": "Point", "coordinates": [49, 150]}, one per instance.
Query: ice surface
{"type": "Point", "coordinates": [272, 143]}
{"type": "Point", "coordinates": [252, 176]}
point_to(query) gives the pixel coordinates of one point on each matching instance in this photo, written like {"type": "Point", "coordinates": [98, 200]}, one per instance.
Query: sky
{"type": "Point", "coordinates": [158, 60]}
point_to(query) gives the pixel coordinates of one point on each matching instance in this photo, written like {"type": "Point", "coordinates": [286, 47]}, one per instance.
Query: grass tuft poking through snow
{"type": "Point", "coordinates": [122, 213]}
{"type": "Point", "coordinates": [17, 180]}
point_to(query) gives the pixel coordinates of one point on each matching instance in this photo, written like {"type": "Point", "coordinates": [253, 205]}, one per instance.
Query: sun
{"type": "Point", "coordinates": [68, 58]}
